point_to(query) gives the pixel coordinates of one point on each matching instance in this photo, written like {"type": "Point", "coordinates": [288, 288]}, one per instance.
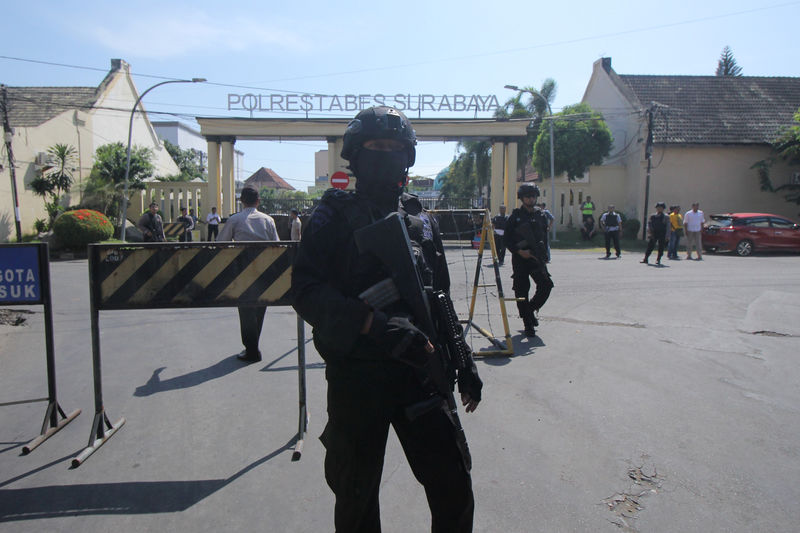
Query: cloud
{"type": "Point", "coordinates": [175, 34]}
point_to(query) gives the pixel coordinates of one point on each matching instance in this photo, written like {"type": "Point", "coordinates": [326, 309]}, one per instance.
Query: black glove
{"type": "Point", "coordinates": [401, 339]}
{"type": "Point", "coordinates": [469, 382]}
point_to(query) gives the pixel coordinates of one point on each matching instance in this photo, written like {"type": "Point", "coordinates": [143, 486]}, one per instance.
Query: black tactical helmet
{"type": "Point", "coordinates": [528, 189]}
{"type": "Point", "coordinates": [380, 122]}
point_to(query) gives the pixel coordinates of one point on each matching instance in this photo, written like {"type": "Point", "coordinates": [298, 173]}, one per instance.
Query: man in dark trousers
{"type": "Point", "coordinates": [526, 239]}
{"type": "Point", "coordinates": [250, 224]}
{"type": "Point", "coordinates": [657, 227]}
{"type": "Point", "coordinates": [188, 226]}
{"type": "Point", "coordinates": [499, 225]}
{"type": "Point", "coordinates": [611, 223]}
{"type": "Point", "coordinates": [372, 383]}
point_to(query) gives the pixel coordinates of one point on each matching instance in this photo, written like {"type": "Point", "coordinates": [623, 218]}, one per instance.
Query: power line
{"type": "Point", "coordinates": [440, 60]}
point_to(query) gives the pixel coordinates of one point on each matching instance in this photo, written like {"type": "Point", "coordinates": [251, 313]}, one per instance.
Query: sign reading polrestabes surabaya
{"type": "Point", "coordinates": [356, 102]}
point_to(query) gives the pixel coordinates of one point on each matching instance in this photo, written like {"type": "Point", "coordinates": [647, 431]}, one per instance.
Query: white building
{"type": "Point", "coordinates": [83, 117]}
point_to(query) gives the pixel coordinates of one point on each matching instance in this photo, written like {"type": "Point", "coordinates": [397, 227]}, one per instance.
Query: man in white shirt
{"type": "Point", "coordinates": [250, 224]}
{"type": "Point", "coordinates": [213, 219]}
{"type": "Point", "coordinates": [693, 222]}
{"type": "Point", "coordinates": [295, 225]}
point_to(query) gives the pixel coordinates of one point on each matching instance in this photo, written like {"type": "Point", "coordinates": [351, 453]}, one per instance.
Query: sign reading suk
{"type": "Point", "coordinates": [356, 102]}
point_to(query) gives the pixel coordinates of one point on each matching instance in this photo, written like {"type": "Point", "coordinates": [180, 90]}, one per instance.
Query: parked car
{"type": "Point", "coordinates": [745, 233]}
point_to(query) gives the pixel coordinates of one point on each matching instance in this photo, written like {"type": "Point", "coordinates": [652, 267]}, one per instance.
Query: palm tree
{"type": "Point", "coordinates": [536, 108]}
{"type": "Point", "coordinates": [56, 180]}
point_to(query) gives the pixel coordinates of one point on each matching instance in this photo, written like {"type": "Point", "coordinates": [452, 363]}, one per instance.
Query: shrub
{"type": "Point", "coordinates": [630, 227]}
{"type": "Point", "coordinates": [76, 229]}
{"type": "Point", "coordinates": [40, 225]}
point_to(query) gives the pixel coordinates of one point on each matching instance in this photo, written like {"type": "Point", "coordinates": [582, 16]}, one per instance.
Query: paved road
{"type": "Point", "coordinates": [655, 399]}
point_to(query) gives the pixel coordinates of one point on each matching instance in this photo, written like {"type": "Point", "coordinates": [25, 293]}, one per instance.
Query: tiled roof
{"type": "Point", "coordinates": [717, 109]}
{"type": "Point", "coordinates": [266, 177]}
{"type": "Point", "coordinates": [32, 106]}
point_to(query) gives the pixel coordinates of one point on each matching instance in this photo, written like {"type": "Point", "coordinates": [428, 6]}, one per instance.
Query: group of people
{"type": "Point", "coordinates": [666, 230]}
{"type": "Point", "coordinates": [152, 225]}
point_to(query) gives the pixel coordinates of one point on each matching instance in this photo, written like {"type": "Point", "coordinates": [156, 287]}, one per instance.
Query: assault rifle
{"type": "Point", "coordinates": [531, 243]}
{"type": "Point", "coordinates": [388, 240]}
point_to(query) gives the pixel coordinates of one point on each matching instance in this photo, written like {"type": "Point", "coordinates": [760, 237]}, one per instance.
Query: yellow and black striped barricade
{"type": "Point", "coordinates": [180, 275]}
{"type": "Point", "coordinates": [173, 230]}
{"type": "Point", "coordinates": [25, 280]}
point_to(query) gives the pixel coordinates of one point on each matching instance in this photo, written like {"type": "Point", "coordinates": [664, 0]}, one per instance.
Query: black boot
{"type": "Point", "coordinates": [529, 328]}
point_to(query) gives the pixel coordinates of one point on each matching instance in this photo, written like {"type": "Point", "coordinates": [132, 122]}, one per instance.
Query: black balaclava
{"type": "Point", "coordinates": [381, 176]}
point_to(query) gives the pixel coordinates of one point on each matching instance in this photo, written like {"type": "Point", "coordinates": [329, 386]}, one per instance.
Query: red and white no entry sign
{"type": "Point", "coordinates": [340, 180]}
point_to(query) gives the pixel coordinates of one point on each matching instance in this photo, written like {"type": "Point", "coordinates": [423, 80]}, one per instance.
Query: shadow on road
{"type": "Point", "coordinates": [135, 497]}
{"type": "Point", "coordinates": [197, 377]}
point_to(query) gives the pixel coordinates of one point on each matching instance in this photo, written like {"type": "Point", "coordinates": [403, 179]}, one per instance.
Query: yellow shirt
{"type": "Point", "coordinates": [676, 220]}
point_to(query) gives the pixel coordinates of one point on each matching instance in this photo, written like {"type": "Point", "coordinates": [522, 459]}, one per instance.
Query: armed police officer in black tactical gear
{"type": "Point", "coordinates": [389, 357]}
{"type": "Point", "coordinates": [526, 239]}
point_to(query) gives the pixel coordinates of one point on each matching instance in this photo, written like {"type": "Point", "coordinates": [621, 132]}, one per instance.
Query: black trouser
{"type": "Point", "coordinates": [186, 236]}
{"type": "Point", "coordinates": [364, 399]}
{"type": "Point", "coordinates": [612, 235]}
{"type": "Point", "coordinates": [251, 319]}
{"type": "Point", "coordinates": [213, 230]}
{"type": "Point", "coordinates": [500, 245]}
{"type": "Point", "coordinates": [661, 240]}
{"type": "Point", "coordinates": [524, 270]}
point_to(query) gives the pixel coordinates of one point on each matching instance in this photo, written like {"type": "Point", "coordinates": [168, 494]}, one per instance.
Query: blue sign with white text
{"type": "Point", "coordinates": [20, 279]}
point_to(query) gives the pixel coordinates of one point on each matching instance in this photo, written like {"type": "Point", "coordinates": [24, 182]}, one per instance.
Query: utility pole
{"type": "Point", "coordinates": [648, 153]}
{"type": "Point", "coordinates": [8, 137]}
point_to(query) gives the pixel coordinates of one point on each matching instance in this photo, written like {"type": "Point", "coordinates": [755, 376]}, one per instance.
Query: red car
{"type": "Point", "coordinates": [745, 233]}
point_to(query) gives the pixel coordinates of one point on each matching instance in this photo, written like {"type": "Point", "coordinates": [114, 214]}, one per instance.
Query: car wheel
{"type": "Point", "coordinates": [744, 248]}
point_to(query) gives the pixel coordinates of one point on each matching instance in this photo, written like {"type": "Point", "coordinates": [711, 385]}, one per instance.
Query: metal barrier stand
{"type": "Point", "coordinates": [51, 424]}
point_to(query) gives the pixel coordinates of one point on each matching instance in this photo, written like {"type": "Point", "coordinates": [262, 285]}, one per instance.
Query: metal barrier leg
{"type": "Point", "coordinates": [102, 429]}
{"type": "Point", "coordinates": [301, 373]}
{"type": "Point", "coordinates": [51, 425]}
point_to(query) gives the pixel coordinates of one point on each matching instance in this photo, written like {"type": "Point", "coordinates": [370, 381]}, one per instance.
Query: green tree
{"type": "Point", "coordinates": [785, 148]}
{"type": "Point", "coordinates": [189, 162]}
{"type": "Point", "coordinates": [55, 181]}
{"type": "Point", "coordinates": [106, 184]}
{"type": "Point", "coordinates": [469, 172]}
{"type": "Point", "coordinates": [726, 66]}
{"type": "Point", "coordinates": [581, 139]}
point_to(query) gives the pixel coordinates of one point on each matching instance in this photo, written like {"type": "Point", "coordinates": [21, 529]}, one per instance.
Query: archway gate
{"type": "Point", "coordinates": [222, 134]}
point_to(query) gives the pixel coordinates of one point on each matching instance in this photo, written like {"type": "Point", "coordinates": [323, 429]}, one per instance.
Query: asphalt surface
{"type": "Point", "coordinates": [654, 399]}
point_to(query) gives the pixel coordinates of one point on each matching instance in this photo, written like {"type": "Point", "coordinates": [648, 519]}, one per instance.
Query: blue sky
{"type": "Point", "coordinates": [355, 47]}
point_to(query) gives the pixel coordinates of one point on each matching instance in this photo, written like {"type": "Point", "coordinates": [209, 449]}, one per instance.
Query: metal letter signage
{"type": "Point", "coordinates": [325, 103]}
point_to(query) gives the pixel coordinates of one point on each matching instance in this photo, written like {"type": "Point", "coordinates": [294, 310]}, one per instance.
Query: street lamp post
{"type": "Point", "coordinates": [128, 157]}
{"type": "Point", "coordinates": [535, 94]}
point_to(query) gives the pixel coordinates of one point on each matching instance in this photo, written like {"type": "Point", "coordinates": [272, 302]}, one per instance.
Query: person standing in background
{"type": "Point", "coordinates": [675, 231]}
{"type": "Point", "coordinates": [188, 226]}
{"type": "Point", "coordinates": [213, 219]}
{"type": "Point", "coordinates": [587, 209]}
{"type": "Point", "coordinates": [611, 223]}
{"type": "Point", "coordinates": [151, 225]}
{"type": "Point", "coordinates": [250, 224]}
{"type": "Point", "coordinates": [295, 225]}
{"type": "Point", "coordinates": [657, 227]}
{"type": "Point", "coordinates": [693, 222]}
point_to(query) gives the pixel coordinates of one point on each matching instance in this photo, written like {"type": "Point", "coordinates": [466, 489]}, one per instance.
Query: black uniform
{"type": "Point", "coordinates": [535, 268]}
{"type": "Point", "coordinates": [657, 226]}
{"type": "Point", "coordinates": [499, 223]}
{"type": "Point", "coordinates": [367, 390]}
